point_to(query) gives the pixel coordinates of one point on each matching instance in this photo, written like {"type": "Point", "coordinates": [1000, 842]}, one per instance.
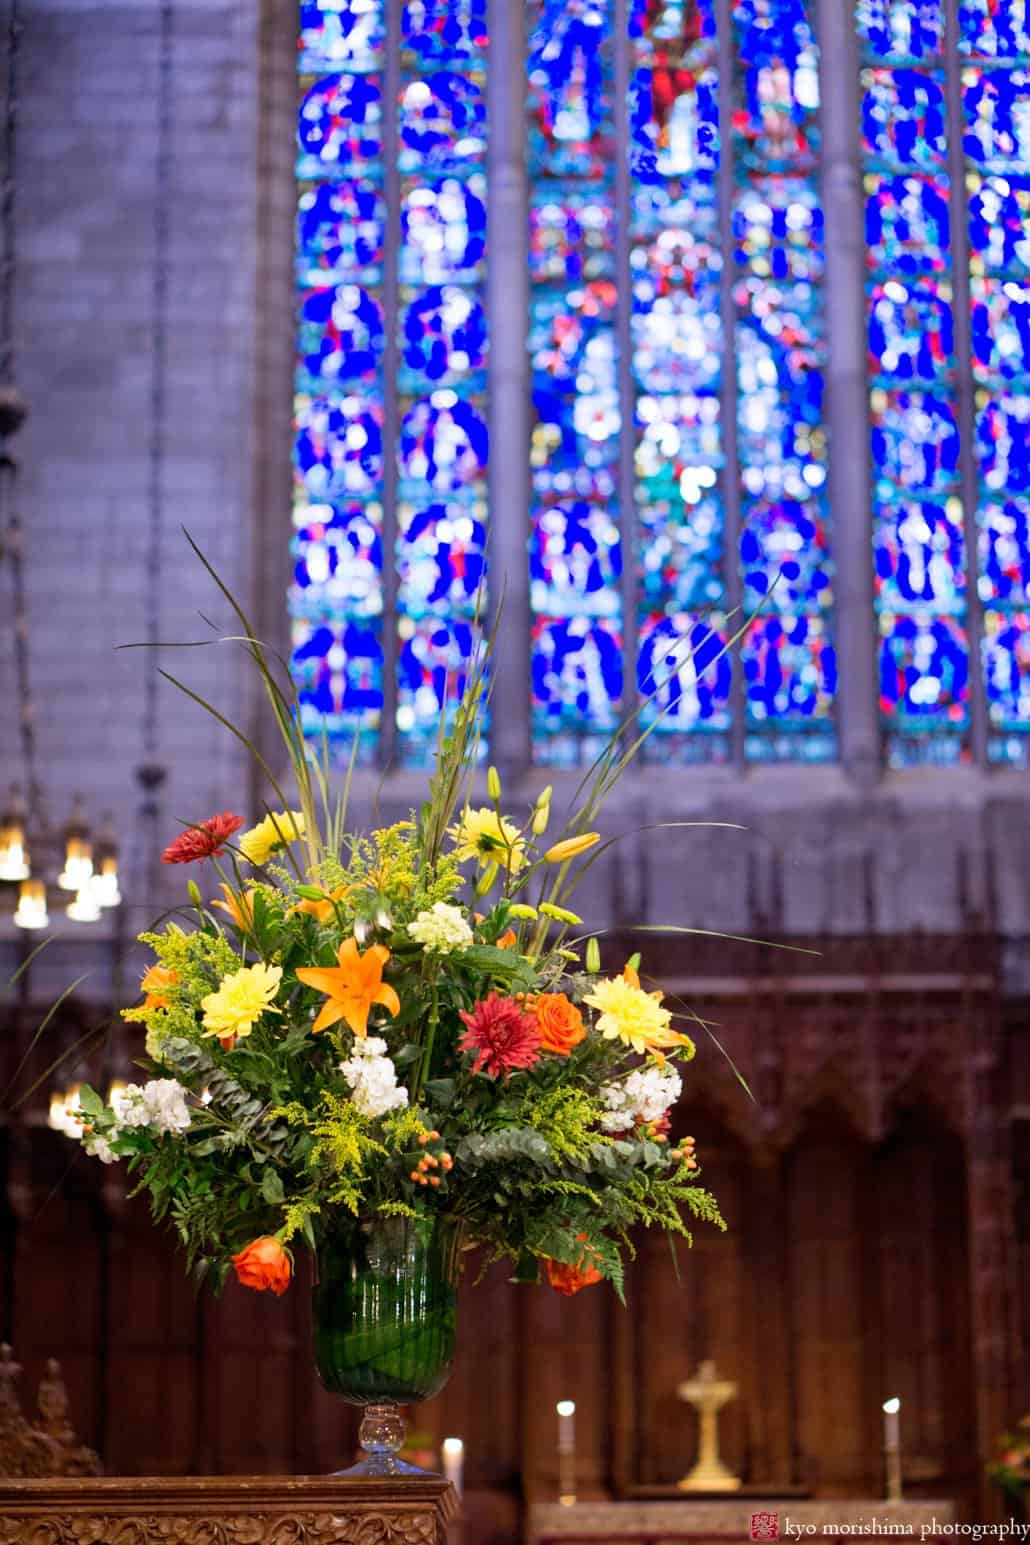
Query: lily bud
{"type": "Point", "coordinates": [195, 896]}
{"type": "Point", "coordinates": [561, 914]}
{"type": "Point", "coordinates": [593, 960]}
{"type": "Point", "coordinates": [541, 816]}
{"type": "Point", "coordinates": [487, 879]}
{"type": "Point", "coordinates": [493, 784]}
{"type": "Point", "coordinates": [572, 847]}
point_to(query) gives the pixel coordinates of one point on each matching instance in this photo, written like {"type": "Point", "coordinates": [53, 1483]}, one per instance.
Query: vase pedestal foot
{"type": "Point", "coordinates": [381, 1436]}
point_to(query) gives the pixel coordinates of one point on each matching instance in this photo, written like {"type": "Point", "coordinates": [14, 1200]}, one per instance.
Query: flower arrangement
{"type": "Point", "coordinates": [401, 1023]}
{"type": "Point", "coordinates": [1011, 1468]}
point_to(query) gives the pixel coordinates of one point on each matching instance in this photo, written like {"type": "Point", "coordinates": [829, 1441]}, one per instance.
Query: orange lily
{"type": "Point", "coordinates": [508, 940]}
{"type": "Point", "coordinates": [239, 905]}
{"type": "Point", "coordinates": [351, 987]}
{"type": "Point", "coordinates": [154, 983]}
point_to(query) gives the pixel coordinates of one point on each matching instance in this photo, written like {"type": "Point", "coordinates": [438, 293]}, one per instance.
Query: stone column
{"type": "Point", "coordinates": [507, 309]}
{"type": "Point", "coordinates": [847, 392]}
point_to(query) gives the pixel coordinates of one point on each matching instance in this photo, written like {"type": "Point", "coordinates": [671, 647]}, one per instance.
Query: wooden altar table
{"type": "Point", "coordinates": [747, 1518]}
{"type": "Point", "coordinates": [227, 1510]}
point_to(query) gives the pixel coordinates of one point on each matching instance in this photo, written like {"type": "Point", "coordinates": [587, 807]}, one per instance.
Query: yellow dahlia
{"type": "Point", "coordinates": [241, 999]}
{"type": "Point", "coordinates": [627, 1013]}
{"type": "Point", "coordinates": [259, 843]}
{"type": "Point", "coordinates": [490, 838]}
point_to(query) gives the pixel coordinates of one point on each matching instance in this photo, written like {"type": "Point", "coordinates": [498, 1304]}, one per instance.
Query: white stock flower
{"type": "Point", "coordinates": [441, 929]}
{"type": "Point", "coordinates": [644, 1096]}
{"type": "Point", "coordinates": [373, 1078]}
{"type": "Point", "coordinates": [100, 1147]}
{"type": "Point", "coordinates": [160, 1104]}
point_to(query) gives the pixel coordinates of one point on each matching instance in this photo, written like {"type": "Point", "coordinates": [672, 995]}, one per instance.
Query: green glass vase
{"type": "Point", "coordinates": [384, 1319]}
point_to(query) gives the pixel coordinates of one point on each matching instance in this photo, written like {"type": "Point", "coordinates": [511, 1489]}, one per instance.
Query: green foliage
{"type": "Point", "coordinates": [568, 1118]}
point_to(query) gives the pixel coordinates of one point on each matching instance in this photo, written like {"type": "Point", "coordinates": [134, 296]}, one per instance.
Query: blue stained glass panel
{"type": "Point", "coordinates": [920, 557]}
{"type": "Point", "coordinates": [435, 656]}
{"type": "Point", "coordinates": [680, 554]}
{"type": "Point", "coordinates": [994, 29]}
{"type": "Point", "coordinates": [575, 560]}
{"type": "Point", "coordinates": [443, 338]}
{"type": "Point", "coordinates": [340, 34]}
{"type": "Point", "coordinates": [996, 108]}
{"type": "Point", "coordinates": [911, 332]}
{"type": "Point", "coordinates": [337, 559]}
{"type": "Point", "coordinates": [1000, 328]}
{"type": "Point", "coordinates": [340, 232]}
{"type": "Point", "coordinates": [903, 118]}
{"type": "Point", "coordinates": [790, 670]}
{"type": "Point", "coordinates": [683, 667]}
{"type": "Point", "coordinates": [443, 443]}
{"type": "Point", "coordinates": [575, 385]}
{"type": "Point", "coordinates": [1003, 441]}
{"type": "Point", "coordinates": [441, 557]}
{"type": "Point", "coordinates": [924, 671]}
{"type": "Point", "coordinates": [443, 30]}
{"type": "Point", "coordinates": [999, 225]}
{"type": "Point", "coordinates": [1006, 650]}
{"type": "Point", "coordinates": [443, 230]}
{"type": "Point", "coordinates": [340, 126]}
{"type": "Point", "coordinates": [572, 239]}
{"type": "Point", "coordinates": [570, 108]}
{"type": "Point", "coordinates": [338, 667]}
{"type": "Point", "coordinates": [776, 116]}
{"type": "Point", "coordinates": [784, 553]}
{"type": "Point", "coordinates": [576, 676]}
{"type": "Point", "coordinates": [339, 445]}
{"type": "Point", "coordinates": [442, 124]}
{"type": "Point", "coordinates": [341, 336]}
{"type": "Point", "coordinates": [907, 224]}
{"type": "Point", "coordinates": [915, 442]}
{"type": "Point", "coordinates": [1004, 549]}
{"type": "Point", "coordinates": [901, 29]}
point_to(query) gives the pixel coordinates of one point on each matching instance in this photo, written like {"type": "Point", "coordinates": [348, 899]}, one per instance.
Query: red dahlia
{"type": "Point", "coordinates": [503, 1034]}
{"type": "Point", "coordinates": [203, 840]}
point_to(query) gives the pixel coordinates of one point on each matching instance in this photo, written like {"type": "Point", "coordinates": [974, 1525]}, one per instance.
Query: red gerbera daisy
{"type": "Point", "coordinates": [204, 840]}
{"type": "Point", "coordinates": [503, 1034]}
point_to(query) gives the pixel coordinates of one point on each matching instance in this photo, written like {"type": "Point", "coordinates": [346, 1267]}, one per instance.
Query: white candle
{"type": "Point", "coordinates": [566, 1424]}
{"type": "Point", "coordinates": [892, 1423]}
{"type": "Point", "coordinates": [453, 1461]}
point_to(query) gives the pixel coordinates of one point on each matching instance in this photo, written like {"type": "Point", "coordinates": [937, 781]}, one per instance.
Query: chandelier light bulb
{"type": "Point", "coordinates": [64, 1108]}
{"type": "Point", "coordinates": [78, 865]}
{"type": "Point", "coordinates": [31, 910]}
{"type": "Point", "coordinates": [85, 908]}
{"type": "Point", "coordinates": [14, 862]}
{"type": "Point", "coordinates": [104, 884]}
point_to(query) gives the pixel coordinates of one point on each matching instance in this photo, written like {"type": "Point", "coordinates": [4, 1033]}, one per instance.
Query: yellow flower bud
{"type": "Point", "coordinates": [541, 816]}
{"type": "Point", "coordinates": [520, 909]}
{"type": "Point", "coordinates": [561, 914]}
{"type": "Point", "coordinates": [593, 961]}
{"type": "Point", "coordinates": [572, 847]}
{"type": "Point", "coordinates": [487, 879]}
{"type": "Point", "coordinates": [493, 784]}
{"type": "Point", "coordinates": [195, 896]}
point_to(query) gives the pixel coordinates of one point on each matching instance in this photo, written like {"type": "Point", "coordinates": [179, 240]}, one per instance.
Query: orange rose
{"type": "Point", "coordinates": [264, 1264]}
{"type": "Point", "coordinates": [568, 1280]}
{"type": "Point", "coordinates": [561, 1023]}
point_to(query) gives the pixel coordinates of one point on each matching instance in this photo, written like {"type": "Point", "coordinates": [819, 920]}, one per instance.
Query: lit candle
{"type": "Point", "coordinates": [566, 1452]}
{"type": "Point", "coordinates": [566, 1424]}
{"type": "Point", "coordinates": [453, 1461]}
{"type": "Point", "coordinates": [892, 1445]}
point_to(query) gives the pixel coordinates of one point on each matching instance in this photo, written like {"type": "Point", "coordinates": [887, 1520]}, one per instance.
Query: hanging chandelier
{"type": "Point", "coordinates": [39, 867]}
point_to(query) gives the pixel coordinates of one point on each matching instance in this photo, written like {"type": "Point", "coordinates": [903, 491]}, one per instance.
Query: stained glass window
{"type": "Point", "coordinates": [933, 455]}
{"type": "Point", "coordinates": [390, 252]}
{"type": "Point", "coordinates": [994, 50]}
{"type": "Point", "coordinates": [669, 270]}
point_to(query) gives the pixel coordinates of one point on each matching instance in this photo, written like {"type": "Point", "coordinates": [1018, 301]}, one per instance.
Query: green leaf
{"type": "Point", "coordinates": [407, 1055]}
{"type": "Point", "coordinates": [90, 1101]}
{"type": "Point", "coordinates": [272, 1187]}
{"type": "Point", "coordinates": [441, 1092]}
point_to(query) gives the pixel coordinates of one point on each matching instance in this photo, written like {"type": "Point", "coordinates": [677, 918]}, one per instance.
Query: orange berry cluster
{"type": "Point", "coordinates": [685, 1153]}
{"type": "Point", "coordinates": [422, 1173]}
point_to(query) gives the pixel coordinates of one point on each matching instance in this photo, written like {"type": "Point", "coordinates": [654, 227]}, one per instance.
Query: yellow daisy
{"type": "Point", "coordinates": [627, 1013]}
{"type": "Point", "coordinates": [490, 838]}
{"type": "Point", "coordinates": [241, 999]}
{"type": "Point", "coordinates": [271, 834]}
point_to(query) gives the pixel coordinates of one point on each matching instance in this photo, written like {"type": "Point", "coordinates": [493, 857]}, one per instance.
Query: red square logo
{"type": "Point", "coordinates": [764, 1526]}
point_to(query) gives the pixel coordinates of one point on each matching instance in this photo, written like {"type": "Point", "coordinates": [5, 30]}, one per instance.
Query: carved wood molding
{"type": "Point", "coordinates": [247, 1511]}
